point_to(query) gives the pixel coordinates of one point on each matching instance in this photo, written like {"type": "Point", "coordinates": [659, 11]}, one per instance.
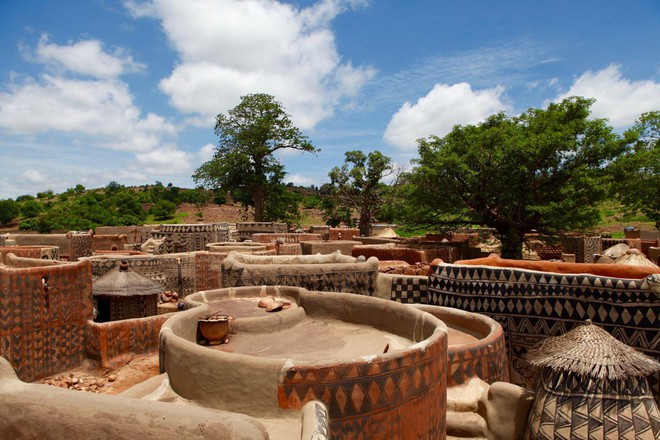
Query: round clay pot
{"type": "Point", "coordinates": [214, 328]}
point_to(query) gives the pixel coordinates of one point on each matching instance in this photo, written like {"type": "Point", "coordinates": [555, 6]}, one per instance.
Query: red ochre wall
{"type": "Point", "coordinates": [42, 326]}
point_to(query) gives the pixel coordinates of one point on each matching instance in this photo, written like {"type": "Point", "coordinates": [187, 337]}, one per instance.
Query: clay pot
{"type": "Point", "coordinates": [214, 328]}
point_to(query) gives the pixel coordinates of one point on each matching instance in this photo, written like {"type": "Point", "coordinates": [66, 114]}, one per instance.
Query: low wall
{"type": "Point", "coordinates": [184, 273]}
{"type": "Point", "coordinates": [485, 358]}
{"type": "Point", "coordinates": [399, 394]}
{"type": "Point", "coordinates": [329, 273]}
{"type": "Point", "coordinates": [328, 247]}
{"type": "Point", "coordinates": [36, 411]}
{"type": "Point", "coordinates": [71, 245]}
{"type": "Point", "coordinates": [38, 252]}
{"type": "Point", "coordinates": [109, 242]}
{"type": "Point", "coordinates": [117, 342]}
{"type": "Point", "coordinates": [190, 237]}
{"type": "Point", "coordinates": [343, 233]}
{"type": "Point", "coordinates": [532, 305]}
{"type": "Point", "coordinates": [406, 289]}
{"type": "Point", "coordinates": [134, 234]}
{"type": "Point", "coordinates": [285, 237]}
{"type": "Point", "coordinates": [43, 312]}
{"type": "Point", "coordinates": [246, 229]}
{"type": "Point", "coordinates": [390, 252]}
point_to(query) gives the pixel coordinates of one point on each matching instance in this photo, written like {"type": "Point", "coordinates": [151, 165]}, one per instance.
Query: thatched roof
{"type": "Point", "coordinates": [124, 282]}
{"type": "Point", "coordinates": [387, 233]}
{"type": "Point", "coordinates": [589, 350]}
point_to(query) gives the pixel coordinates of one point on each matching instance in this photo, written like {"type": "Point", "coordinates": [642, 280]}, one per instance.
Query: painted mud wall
{"type": "Point", "coordinates": [43, 312]}
{"type": "Point", "coordinates": [533, 305]}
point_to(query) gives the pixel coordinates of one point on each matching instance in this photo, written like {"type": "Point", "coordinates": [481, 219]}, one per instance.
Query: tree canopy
{"type": "Point", "coordinates": [637, 171]}
{"type": "Point", "coordinates": [357, 186]}
{"type": "Point", "coordinates": [543, 170]}
{"type": "Point", "coordinates": [243, 162]}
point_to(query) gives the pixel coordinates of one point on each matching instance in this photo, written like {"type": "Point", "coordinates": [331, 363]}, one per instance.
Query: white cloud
{"type": "Point", "coordinates": [86, 58]}
{"type": "Point", "coordinates": [33, 176]}
{"type": "Point", "coordinates": [165, 160]}
{"type": "Point", "coordinates": [618, 99]}
{"type": "Point", "coordinates": [300, 180]}
{"type": "Point", "coordinates": [442, 108]}
{"type": "Point", "coordinates": [234, 47]}
{"type": "Point", "coordinates": [206, 152]}
{"type": "Point", "coordinates": [101, 109]}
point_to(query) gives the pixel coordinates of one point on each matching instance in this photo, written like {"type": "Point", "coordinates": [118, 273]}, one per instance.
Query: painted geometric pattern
{"type": "Point", "coordinates": [42, 315]}
{"type": "Point", "coordinates": [362, 282]}
{"type": "Point", "coordinates": [486, 360]}
{"type": "Point", "coordinates": [401, 397]}
{"type": "Point", "coordinates": [80, 246]}
{"type": "Point", "coordinates": [532, 306]}
{"type": "Point", "coordinates": [410, 290]}
{"type": "Point", "coordinates": [568, 406]}
{"type": "Point", "coordinates": [584, 248]}
{"type": "Point", "coordinates": [113, 343]}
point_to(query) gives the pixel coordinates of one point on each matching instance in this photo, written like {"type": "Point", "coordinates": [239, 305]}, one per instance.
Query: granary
{"type": "Point", "coordinates": [592, 386]}
{"type": "Point", "coordinates": [124, 294]}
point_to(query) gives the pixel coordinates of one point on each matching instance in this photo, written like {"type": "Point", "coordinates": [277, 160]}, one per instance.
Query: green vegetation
{"type": "Point", "coordinates": [543, 170]}
{"type": "Point", "coordinates": [637, 172]}
{"type": "Point", "coordinates": [553, 170]}
{"type": "Point", "coordinates": [357, 187]}
{"type": "Point", "coordinates": [244, 161]}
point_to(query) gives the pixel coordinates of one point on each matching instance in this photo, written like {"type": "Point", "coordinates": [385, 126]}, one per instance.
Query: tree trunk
{"type": "Point", "coordinates": [512, 241]}
{"type": "Point", "coordinates": [259, 202]}
{"type": "Point", "coordinates": [364, 224]}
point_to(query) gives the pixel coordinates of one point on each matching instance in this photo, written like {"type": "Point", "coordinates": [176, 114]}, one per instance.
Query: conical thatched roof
{"type": "Point", "coordinates": [590, 351]}
{"type": "Point", "coordinates": [123, 282]}
{"type": "Point", "coordinates": [387, 233]}
{"type": "Point", "coordinates": [634, 257]}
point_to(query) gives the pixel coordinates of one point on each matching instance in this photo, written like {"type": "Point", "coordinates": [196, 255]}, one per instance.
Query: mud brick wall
{"type": "Point", "coordinates": [359, 278]}
{"type": "Point", "coordinates": [286, 237]}
{"type": "Point", "coordinates": [208, 270]}
{"type": "Point", "coordinates": [134, 234]}
{"type": "Point", "coordinates": [323, 230]}
{"type": "Point", "coordinates": [190, 238]}
{"type": "Point", "coordinates": [343, 233]}
{"type": "Point", "coordinates": [109, 242]}
{"type": "Point", "coordinates": [43, 312]}
{"type": "Point", "coordinates": [409, 289]}
{"type": "Point", "coordinates": [39, 252]}
{"type": "Point", "coordinates": [246, 229]}
{"type": "Point", "coordinates": [386, 252]}
{"type": "Point", "coordinates": [583, 247]}
{"type": "Point", "coordinates": [328, 247]}
{"type": "Point", "coordinates": [115, 343]}
{"type": "Point", "coordinates": [532, 306]}
{"type": "Point", "coordinates": [386, 398]}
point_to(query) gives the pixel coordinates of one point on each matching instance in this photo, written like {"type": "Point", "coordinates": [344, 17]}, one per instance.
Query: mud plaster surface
{"type": "Point", "coordinates": [316, 340]}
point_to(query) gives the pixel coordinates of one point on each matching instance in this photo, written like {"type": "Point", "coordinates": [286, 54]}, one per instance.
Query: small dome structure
{"type": "Point", "coordinates": [634, 257]}
{"type": "Point", "coordinates": [124, 294]}
{"type": "Point", "coordinates": [592, 386]}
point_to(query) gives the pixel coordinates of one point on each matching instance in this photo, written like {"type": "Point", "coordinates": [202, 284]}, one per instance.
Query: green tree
{"type": "Point", "coordinates": [357, 185]}
{"type": "Point", "coordinates": [163, 209]}
{"type": "Point", "coordinates": [244, 162]}
{"type": "Point", "coordinates": [637, 171]}
{"type": "Point", "coordinates": [543, 170]}
{"type": "Point", "coordinates": [9, 210]}
{"type": "Point", "coordinates": [31, 208]}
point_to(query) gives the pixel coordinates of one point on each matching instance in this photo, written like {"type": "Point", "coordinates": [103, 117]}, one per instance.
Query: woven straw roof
{"type": "Point", "coordinates": [589, 350]}
{"type": "Point", "coordinates": [124, 282]}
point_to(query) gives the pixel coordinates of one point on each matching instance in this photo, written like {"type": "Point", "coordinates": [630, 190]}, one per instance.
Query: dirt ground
{"type": "Point", "coordinates": [90, 377]}
{"type": "Point", "coordinates": [235, 213]}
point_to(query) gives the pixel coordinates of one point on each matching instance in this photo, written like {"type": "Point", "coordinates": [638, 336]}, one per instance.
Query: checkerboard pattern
{"type": "Point", "coordinates": [410, 289]}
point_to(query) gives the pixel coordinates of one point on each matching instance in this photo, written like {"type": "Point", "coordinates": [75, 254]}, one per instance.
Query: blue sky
{"type": "Point", "coordinates": [93, 91]}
